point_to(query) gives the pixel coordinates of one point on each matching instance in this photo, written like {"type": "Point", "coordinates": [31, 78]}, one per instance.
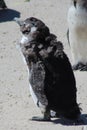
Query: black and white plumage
{"type": "Point", "coordinates": [77, 22]}
{"type": "Point", "coordinates": [52, 82]}
{"type": "Point", "coordinates": [2, 4]}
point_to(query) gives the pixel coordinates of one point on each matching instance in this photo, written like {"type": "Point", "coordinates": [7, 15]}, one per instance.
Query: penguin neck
{"type": "Point", "coordinates": [25, 40]}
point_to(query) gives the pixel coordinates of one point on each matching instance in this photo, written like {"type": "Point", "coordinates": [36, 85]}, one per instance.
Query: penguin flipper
{"type": "Point", "coordinates": [46, 116]}
{"type": "Point", "coordinates": [37, 83]}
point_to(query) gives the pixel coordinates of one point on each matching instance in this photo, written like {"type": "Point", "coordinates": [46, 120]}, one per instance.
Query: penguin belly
{"type": "Point", "coordinates": [77, 20]}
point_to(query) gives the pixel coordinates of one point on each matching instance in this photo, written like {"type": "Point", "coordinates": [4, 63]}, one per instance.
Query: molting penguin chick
{"type": "Point", "coordinates": [52, 82]}
{"type": "Point", "coordinates": [77, 21]}
{"type": "Point", "coordinates": [2, 4]}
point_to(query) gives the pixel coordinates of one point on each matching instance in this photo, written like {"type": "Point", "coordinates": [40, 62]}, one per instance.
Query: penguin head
{"type": "Point", "coordinates": [80, 3]}
{"type": "Point", "coordinates": [33, 28]}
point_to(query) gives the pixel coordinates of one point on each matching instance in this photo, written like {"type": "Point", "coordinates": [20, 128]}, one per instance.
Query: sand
{"type": "Point", "coordinates": [16, 104]}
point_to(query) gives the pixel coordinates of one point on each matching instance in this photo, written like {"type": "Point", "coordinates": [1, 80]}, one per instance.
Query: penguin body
{"type": "Point", "coordinates": [77, 21]}
{"type": "Point", "coordinates": [52, 81]}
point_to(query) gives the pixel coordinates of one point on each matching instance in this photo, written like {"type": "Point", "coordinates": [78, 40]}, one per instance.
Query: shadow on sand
{"type": "Point", "coordinates": [81, 121]}
{"type": "Point", "coordinates": [8, 15]}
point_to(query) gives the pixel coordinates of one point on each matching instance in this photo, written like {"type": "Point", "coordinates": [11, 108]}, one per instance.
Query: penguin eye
{"type": "Point", "coordinates": [74, 3]}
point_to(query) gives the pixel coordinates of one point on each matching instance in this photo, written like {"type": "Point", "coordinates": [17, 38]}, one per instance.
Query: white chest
{"type": "Point", "coordinates": [24, 40]}
{"type": "Point", "coordinates": [77, 21]}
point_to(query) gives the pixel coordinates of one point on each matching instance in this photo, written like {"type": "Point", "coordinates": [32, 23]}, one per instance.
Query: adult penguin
{"type": "Point", "coordinates": [77, 33]}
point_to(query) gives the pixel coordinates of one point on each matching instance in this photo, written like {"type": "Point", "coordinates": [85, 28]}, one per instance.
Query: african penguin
{"type": "Point", "coordinates": [2, 4]}
{"type": "Point", "coordinates": [77, 33]}
{"type": "Point", "coordinates": [52, 82]}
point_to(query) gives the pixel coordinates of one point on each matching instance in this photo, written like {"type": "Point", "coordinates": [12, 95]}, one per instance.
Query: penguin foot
{"type": "Point", "coordinates": [46, 116]}
{"type": "Point", "coordinates": [2, 5]}
{"type": "Point", "coordinates": [3, 8]}
{"type": "Point", "coordinates": [84, 68]}
{"type": "Point", "coordinates": [40, 118]}
{"type": "Point", "coordinates": [80, 66]}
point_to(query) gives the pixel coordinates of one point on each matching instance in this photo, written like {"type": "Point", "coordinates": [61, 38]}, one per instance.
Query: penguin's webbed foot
{"type": "Point", "coordinates": [46, 116]}
{"type": "Point", "coordinates": [40, 119]}
{"type": "Point", "coordinates": [84, 68]}
{"type": "Point", "coordinates": [3, 5]}
{"type": "Point", "coordinates": [80, 66]}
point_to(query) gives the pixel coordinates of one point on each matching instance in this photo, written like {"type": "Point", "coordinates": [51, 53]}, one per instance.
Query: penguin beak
{"type": "Point", "coordinates": [18, 21]}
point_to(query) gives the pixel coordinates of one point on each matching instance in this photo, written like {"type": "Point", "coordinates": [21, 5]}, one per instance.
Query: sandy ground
{"type": "Point", "coordinates": [16, 104]}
